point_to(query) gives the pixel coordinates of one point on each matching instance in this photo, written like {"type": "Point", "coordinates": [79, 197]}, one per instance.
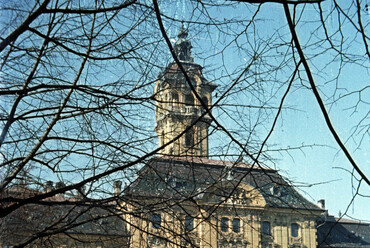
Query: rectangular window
{"type": "Point", "coordinates": [189, 100]}
{"type": "Point", "coordinates": [156, 221]}
{"type": "Point", "coordinates": [266, 228]}
{"type": "Point", "coordinates": [294, 228]}
{"type": "Point", "coordinates": [224, 224]}
{"type": "Point", "coordinates": [236, 225]}
{"type": "Point", "coordinates": [189, 138]}
{"type": "Point", "coordinates": [189, 223]}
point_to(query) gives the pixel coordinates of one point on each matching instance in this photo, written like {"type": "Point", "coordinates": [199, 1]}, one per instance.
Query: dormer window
{"type": "Point", "coordinates": [275, 190]}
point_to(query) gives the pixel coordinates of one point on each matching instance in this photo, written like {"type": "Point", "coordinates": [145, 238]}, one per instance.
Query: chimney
{"type": "Point", "coordinates": [60, 185]}
{"type": "Point", "coordinates": [321, 203]}
{"type": "Point", "coordinates": [117, 187]}
{"type": "Point", "coordinates": [81, 192]}
{"type": "Point", "coordinates": [49, 186]}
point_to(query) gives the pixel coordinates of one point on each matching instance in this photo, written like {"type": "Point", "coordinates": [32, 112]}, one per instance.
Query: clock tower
{"type": "Point", "coordinates": [181, 118]}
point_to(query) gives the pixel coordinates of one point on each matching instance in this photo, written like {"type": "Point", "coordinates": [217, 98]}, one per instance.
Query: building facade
{"type": "Point", "coordinates": [183, 199]}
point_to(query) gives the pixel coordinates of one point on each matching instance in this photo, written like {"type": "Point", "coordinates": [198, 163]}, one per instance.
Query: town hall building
{"type": "Point", "coordinates": [181, 198]}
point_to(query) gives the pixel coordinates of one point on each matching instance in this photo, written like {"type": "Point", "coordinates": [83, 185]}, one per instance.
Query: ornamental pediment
{"type": "Point", "coordinates": [230, 192]}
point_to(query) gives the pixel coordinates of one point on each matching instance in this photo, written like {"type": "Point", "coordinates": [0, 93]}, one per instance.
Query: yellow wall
{"type": "Point", "coordinates": [207, 231]}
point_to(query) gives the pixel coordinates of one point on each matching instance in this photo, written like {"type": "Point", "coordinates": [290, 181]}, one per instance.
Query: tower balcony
{"type": "Point", "coordinates": [175, 109]}
{"type": "Point", "coordinates": [190, 110]}
{"type": "Point", "coordinates": [180, 111]}
{"type": "Point", "coordinates": [183, 110]}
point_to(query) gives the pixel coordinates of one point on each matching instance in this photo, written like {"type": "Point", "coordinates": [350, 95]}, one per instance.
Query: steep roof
{"type": "Point", "coordinates": [58, 215]}
{"type": "Point", "coordinates": [182, 178]}
{"type": "Point", "coordinates": [334, 232]}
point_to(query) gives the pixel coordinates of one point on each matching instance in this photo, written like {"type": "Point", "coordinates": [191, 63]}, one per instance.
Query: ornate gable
{"type": "Point", "coordinates": [225, 192]}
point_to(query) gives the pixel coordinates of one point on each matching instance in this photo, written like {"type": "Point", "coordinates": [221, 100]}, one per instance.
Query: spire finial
{"type": "Point", "coordinates": [182, 45]}
{"type": "Point", "coordinates": [183, 32]}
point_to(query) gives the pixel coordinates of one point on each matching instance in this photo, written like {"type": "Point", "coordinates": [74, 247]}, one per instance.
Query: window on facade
{"type": "Point", "coordinates": [294, 228]}
{"type": "Point", "coordinates": [189, 99]}
{"type": "Point", "coordinates": [224, 224]}
{"type": "Point", "coordinates": [205, 100]}
{"type": "Point", "coordinates": [162, 139]}
{"type": "Point", "coordinates": [175, 97]}
{"type": "Point", "coordinates": [189, 223]}
{"type": "Point", "coordinates": [266, 228]}
{"type": "Point", "coordinates": [189, 137]}
{"type": "Point", "coordinates": [236, 225]}
{"type": "Point", "coordinates": [156, 221]}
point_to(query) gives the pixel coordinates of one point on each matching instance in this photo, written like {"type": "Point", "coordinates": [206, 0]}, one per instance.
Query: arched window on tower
{"type": "Point", "coordinates": [205, 100]}
{"type": "Point", "coordinates": [162, 139]}
{"type": "Point", "coordinates": [189, 100]}
{"type": "Point", "coordinates": [175, 97]}
{"type": "Point", "coordinates": [174, 101]}
{"type": "Point", "coordinates": [189, 138]}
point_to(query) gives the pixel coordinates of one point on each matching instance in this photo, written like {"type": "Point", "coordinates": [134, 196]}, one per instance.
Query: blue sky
{"type": "Point", "coordinates": [319, 168]}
